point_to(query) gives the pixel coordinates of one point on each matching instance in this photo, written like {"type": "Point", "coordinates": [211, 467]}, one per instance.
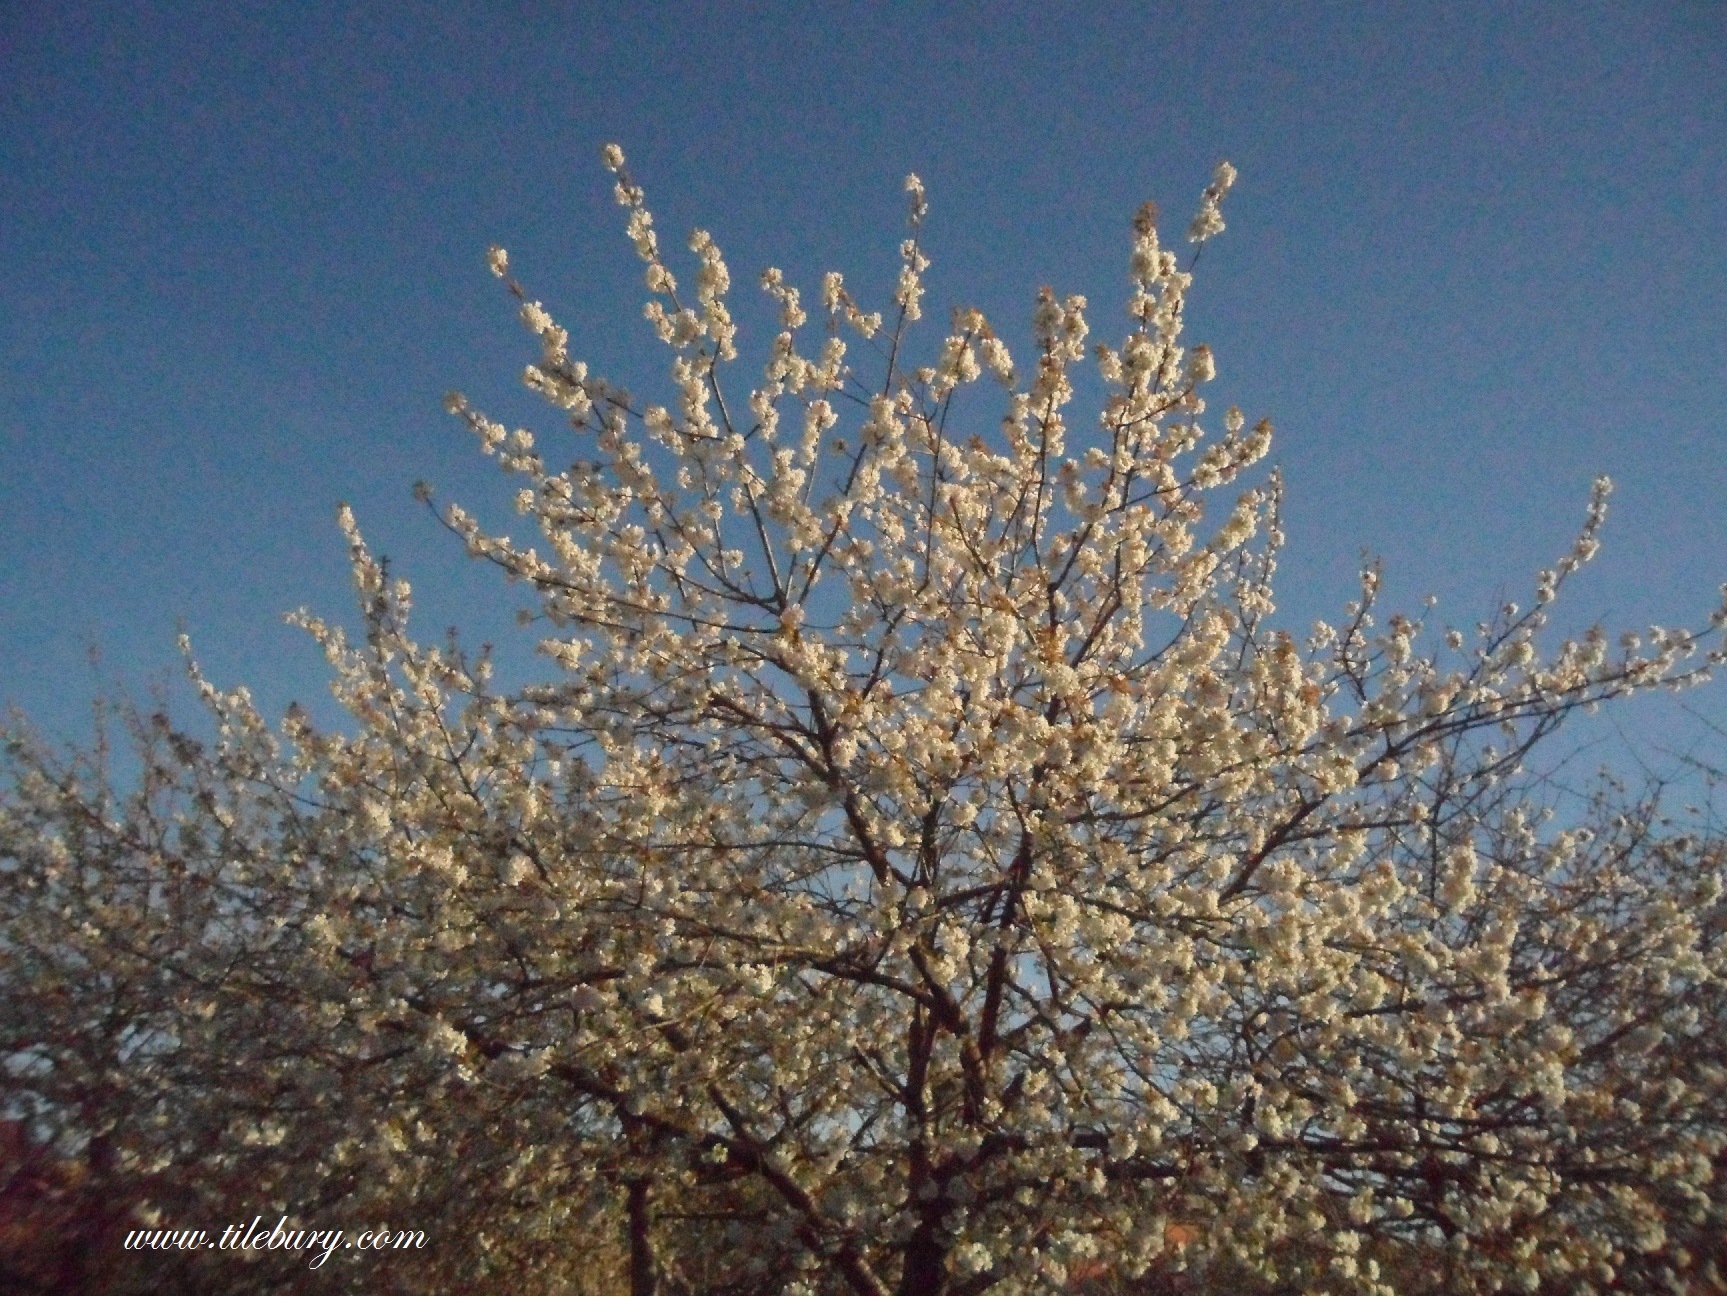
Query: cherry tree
{"type": "Point", "coordinates": [926, 865]}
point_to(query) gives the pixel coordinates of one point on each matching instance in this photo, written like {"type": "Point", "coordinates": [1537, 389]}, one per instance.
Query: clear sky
{"type": "Point", "coordinates": [1477, 255]}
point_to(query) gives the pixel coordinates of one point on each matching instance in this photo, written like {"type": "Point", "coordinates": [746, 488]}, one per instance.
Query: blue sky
{"type": "Point", "coordinates": [1477, 255]}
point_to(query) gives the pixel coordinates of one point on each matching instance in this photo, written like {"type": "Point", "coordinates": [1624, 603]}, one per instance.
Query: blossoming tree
{"type": "Point", "coordinates": [927, 867]}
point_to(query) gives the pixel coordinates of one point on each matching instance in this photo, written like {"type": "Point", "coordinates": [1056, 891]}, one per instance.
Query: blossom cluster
{"type": "Point", "coordinates": [926, 861]}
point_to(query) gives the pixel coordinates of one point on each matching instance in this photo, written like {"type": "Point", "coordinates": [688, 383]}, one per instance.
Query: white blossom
{"type": "Point", "coordinates": [926, 863]}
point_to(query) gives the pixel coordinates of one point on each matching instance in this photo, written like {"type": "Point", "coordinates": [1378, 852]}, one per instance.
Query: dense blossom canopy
{"type": "Point", "coordinates": [927, 866]}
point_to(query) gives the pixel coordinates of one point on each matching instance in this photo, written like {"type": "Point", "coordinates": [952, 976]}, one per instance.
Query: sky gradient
{"type": "Point", "coordinates": [1477, 255]}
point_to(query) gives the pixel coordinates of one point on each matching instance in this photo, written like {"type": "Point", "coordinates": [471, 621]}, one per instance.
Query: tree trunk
{"type": "Point", "coordinates": [642, 1278]}
{"type": "Point", "coordinates": [925, 1267]}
